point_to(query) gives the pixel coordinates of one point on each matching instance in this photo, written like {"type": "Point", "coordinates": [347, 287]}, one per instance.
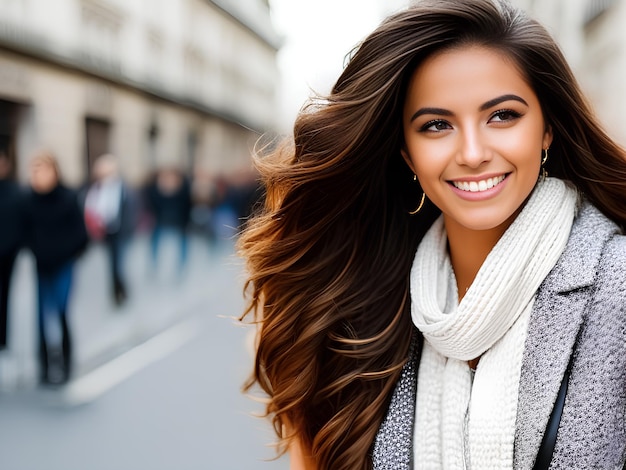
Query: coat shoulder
{"type": "Point", "coordinates": [595, 415]}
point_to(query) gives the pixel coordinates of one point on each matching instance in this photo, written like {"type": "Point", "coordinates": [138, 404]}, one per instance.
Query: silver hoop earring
{"type": "Point", "coordinates": [419, 208]}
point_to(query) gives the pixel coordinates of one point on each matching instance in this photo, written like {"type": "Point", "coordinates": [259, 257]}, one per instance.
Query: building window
{"type": "Point", "coordinates": [8, 130]}
{"type": "Point", "coordinates": [100, 35]}
{"type": "Point", "coordinates": [155, 46]}
{"type": "Point", "coordinates": [192, 149]}
{"type": "Point", "coordinates": [97, 132]}
{"type": "Point", "coordinates": [153, 145]}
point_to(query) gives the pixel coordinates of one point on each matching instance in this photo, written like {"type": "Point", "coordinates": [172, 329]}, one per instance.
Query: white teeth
{"type": "Point", "coordinates": [478, 186]}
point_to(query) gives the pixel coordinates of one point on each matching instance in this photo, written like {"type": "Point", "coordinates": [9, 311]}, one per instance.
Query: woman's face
{"type": "Point", "coordinates": [43, 177]}
{"type": "Point", "coordinates": [474, 133]}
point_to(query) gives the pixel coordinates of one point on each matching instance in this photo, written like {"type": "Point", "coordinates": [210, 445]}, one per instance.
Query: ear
{"type": "Point", "coordinates": [407, 159]}
{"type": "Point", "coordinates": [547, 137]}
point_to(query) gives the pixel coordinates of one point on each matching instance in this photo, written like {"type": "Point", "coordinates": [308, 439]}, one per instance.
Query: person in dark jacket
{"type": "Point", "coordinates": [169, 202]}
{"type": "Point", "coordinates": [11, 234]}
{"type": "Point", "coordinates": [56, 236]}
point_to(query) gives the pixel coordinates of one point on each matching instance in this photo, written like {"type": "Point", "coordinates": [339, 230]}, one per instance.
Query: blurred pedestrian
{"type": "Point", "coordinates": [11, 234]}
{"type": "Point", "coordinates": [56, 235]}
{"type": "Point", "coordinates": [225, 209]}
{"type": "Point", "coordinates": [168, 197]}
{"type": "Point", "coordinates": [245, 193]}
{"type": "Point", "coordinates": [203, 197]}
{"type": "Point", "coordinates": [109, 215]}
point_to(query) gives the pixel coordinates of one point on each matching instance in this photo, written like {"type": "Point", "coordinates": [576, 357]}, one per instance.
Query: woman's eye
{"type": "Point", "coordinates": [505, 115]}
{"type": "Point", "coordinates": [435, 126]}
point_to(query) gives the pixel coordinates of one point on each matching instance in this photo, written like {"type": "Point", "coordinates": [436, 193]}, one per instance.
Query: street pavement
{"type": "Point", "coordinates": [158, 381]}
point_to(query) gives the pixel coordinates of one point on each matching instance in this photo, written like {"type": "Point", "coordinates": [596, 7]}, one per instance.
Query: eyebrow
{"type": "Point", "coordinates": [488, 104]}
{"type": "Point", "coordinates": [500, 99]}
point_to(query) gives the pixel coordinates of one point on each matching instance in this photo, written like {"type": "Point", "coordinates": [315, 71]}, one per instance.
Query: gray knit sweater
{"type": "Point", "coordinates": [580, 309]}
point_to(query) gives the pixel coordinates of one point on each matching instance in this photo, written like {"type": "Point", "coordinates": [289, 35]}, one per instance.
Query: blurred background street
{"type": "Point", "coordinates": [158, 380]}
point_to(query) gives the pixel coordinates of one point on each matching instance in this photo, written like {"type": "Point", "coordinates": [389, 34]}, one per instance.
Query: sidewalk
{"type": "Point", "coordinates": [102, 331]}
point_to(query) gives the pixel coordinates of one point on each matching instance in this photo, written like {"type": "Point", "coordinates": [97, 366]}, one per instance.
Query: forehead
{"type": "Point", "coordinates": [42, 164]}
{"type": "Point", "coordinates": [465, 73]}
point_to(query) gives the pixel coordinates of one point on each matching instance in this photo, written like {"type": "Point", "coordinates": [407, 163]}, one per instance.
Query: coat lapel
{"type": "Point", "coordinates": [557, 316]}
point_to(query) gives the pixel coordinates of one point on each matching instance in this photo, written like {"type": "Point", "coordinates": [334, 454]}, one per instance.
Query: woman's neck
{"type": "Point", "coordinates": [469, 248]}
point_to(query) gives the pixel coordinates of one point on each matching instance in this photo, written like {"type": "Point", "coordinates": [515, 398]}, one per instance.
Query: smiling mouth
{"type": "Point", "coordinates": [478, 186]}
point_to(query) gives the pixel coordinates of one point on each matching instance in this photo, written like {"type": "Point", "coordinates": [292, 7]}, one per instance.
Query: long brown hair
{"type": "Point", "coordinates": [329, 253]}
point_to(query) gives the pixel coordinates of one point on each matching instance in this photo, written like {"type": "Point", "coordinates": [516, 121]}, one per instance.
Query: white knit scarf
{"type": "Point", "coordinates": [453, 431]}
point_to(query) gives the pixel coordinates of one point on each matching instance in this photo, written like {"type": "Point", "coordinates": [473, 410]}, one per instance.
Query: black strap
{"type": "Point", "coordinates": [549, 438]}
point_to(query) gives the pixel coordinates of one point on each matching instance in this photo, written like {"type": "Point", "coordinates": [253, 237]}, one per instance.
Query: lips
{"type": "Point", "coordinates": [479, 185]}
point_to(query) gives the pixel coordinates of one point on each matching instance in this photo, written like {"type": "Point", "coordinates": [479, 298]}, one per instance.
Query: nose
{"type": "Point", "coordinates": [472, 151]}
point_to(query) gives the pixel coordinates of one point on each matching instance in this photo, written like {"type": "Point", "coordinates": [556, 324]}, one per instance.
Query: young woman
{"type": "Point", "coordinates": [439, 269]}
{"type": "Point", "coordinates": [57, 236]}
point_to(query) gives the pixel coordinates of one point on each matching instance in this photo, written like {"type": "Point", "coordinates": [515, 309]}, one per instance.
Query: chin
{"type": "Point", "coordinates": [481, 221]}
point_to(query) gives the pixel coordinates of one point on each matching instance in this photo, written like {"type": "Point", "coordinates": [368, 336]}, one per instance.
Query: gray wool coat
{"type": "Point", "coordinates": [580, 309]}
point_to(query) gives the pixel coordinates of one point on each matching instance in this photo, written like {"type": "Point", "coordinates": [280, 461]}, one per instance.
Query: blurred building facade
{"type": "Point", "coordinates": [592, 36]}
{"type": "Point", "coordinates": [185, 82]}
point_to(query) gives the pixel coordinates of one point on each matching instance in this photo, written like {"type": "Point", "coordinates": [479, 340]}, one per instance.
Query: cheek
{"type": "Point", "coordinates": [429, 161]}
{"type": "Point", "coordinates": [525, 143]}
{"type": "Point", "coordinates": [526, 156]}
